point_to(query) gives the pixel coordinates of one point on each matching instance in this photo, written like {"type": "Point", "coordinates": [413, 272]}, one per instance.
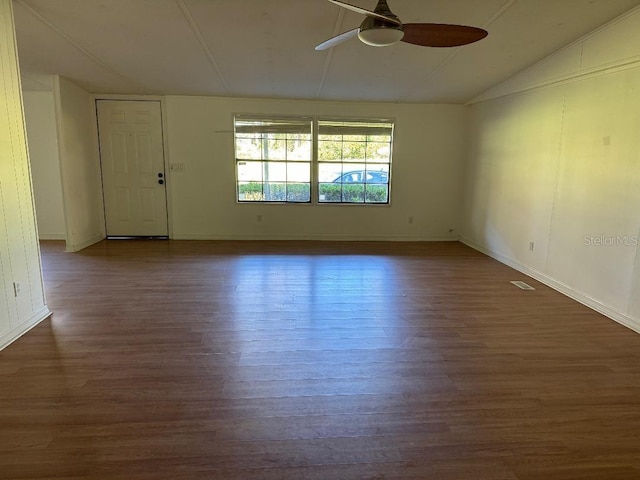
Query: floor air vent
{"type": "Point", "coordinates": [523, 286]}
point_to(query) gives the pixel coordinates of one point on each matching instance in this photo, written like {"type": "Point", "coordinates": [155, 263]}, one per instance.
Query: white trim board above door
{"type": "Point", "coordinates": [133, 170]}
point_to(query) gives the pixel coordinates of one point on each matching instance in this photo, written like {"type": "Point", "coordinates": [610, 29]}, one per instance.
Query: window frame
{"type": "Point", "coordinates": [362, 123]}
{"type": "Point", "coordinates": [293, 119]}
{"type": "Point", "coordinates": [315, 162]}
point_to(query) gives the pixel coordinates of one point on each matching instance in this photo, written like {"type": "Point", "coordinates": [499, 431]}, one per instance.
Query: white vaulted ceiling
{"type": "Point", "coordinates": [265, 48]}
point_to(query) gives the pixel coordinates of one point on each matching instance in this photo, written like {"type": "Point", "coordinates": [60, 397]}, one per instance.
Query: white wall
{"type": "Point", "coordinates": [79, 165]}
{"type": "Point", "coordinates": [555, 159]}
{"type": "Point", "coordinates": [427, 168]}
{"type": "Point", "coordinates": [19, 252]}
{"type": "Point", "coordinates": [42, 135]}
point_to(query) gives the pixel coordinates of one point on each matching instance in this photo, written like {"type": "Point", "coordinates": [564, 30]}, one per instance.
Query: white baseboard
{"type": "Point", "coordinates": [51, 236]}
{"type": "Point", "coordinates": [83, 245]}
{"type": "Point", "coordinates": [320, 237]}
{"type": "Point", "coordinates": [16, 332]}
{"type": "Point", "coordinates": [581, 297]}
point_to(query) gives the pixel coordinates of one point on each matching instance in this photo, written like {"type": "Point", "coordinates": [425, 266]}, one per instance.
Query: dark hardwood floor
{"type": "Point", "coordinates": [310, 361]}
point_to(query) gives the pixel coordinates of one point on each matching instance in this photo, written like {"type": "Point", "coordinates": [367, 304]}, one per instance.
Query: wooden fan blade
{"type": "Point", "coordinates": [338, 39]}
{"type": "Point", "coordinates": [441, 35]}
{"type": "Point", "coordinates": [368, 13]}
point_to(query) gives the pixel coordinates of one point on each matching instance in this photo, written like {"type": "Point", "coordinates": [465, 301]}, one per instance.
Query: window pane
{"type": "Point", "coordinates": [353, 173]}
{"type": "Point", "coordinates": [299, 150]}
{"type": "Point", "coordinates": [377, 175]}
{"type": "Point", "coordinates": [249, 171]}
{"type": "Point", "coordinates": [250, 192]}
{"type": "Point", "coordinates": [378, 152]}
{"type": "Point", "coordinates": [248, 149]}
{"type": "Point", "coordinates": [299, 172]}
{"type": "Point", "coordinates": [275, 172]}
{"type": "Point", "coordinates": [351, 177]}
{"type": "Point", "coordinates": [275, 192]}
{"type": "Point", "coordinates": [274, 147]}
{"type": "Point", "coordinates": [329, 172]}
{"type": "Point", "coordinates": [377, 193]}
{"type": "Point", "coordinates": [299, 192]}
{"type": "Point", "coordinates": [352, 150]}
{"type": "Point", "coordinates": [353, 193]}
{"type": "Point", "coordinates": [329, 150]}
{"type": "Point", "coordinates": [330, 193]}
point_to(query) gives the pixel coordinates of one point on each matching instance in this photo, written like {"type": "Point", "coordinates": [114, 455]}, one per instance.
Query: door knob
{"type": "Point", "coordinates": [161, 182]}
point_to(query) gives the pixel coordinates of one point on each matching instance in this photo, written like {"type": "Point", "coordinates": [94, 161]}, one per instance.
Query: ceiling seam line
{"type": "Point", "coordinates": [327, 63]}
{"type": "Point", "coordinates": [446, 60]}
{"type": "Point", "coordinates": [203, 44]}
{"type": "Point", "coordinates": [79, 47]}
{"type": "Point", "coordinates": [500, 12]}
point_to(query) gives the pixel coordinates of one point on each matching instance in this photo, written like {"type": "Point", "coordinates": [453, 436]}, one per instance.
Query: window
{"type": "Point", "coordinates": [354, 161]}
{"type": "Point", "coordinates": [273, 159]}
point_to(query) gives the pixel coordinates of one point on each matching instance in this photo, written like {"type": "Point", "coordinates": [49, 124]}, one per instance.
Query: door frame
{"type": "Point", "coordinates": [165, 145]}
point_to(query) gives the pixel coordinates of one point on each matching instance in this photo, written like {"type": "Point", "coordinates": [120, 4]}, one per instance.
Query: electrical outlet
{"type": "Point", "coordinates": [258, 218]}
{"type": "Point", "coordinates": [531, 246]}
{"type": "Point", "coordinates": [17, 288]}
{"type": "Point", "coordinates": [410, 220]}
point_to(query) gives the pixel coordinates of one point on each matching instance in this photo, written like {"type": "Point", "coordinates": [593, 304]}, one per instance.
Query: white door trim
{"type": "Point", "coordinates": [107, 107]}
{"type": "Point", "coordinates": [165, 137]}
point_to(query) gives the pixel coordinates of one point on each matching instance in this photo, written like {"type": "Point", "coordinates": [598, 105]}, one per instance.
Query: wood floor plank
{"type": "Point", "coordinates": [311, 360]}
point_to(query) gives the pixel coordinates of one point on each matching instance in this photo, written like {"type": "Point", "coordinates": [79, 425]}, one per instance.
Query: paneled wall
{"type": "Point", "coordinates": [426, 189]}
{"type": "Point", "coordinates": [22, 303]}
{"type": "Point", "coordinates": [427, 171]}
{"type": "Point", "coordinates": [42, 135]}
{"type": "Point", "coordinates": [79, 164]}
{"type": "Point", "coordinates": [555, 160]}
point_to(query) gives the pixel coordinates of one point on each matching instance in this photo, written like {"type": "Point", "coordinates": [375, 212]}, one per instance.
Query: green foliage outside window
{"type": "Point", "coordinates": [329, 192]}
{"type": "Point", "coordinates": [274, 192]}
{"type": "Point", "coordinates": [353, 193]}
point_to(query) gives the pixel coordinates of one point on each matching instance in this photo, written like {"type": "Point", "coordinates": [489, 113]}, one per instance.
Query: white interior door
{"type": "Point", "coordinates": [133, 176]}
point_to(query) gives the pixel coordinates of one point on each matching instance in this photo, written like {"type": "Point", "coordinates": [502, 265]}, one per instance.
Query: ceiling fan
{"type": "Point", "coordinates": [382, 28]}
